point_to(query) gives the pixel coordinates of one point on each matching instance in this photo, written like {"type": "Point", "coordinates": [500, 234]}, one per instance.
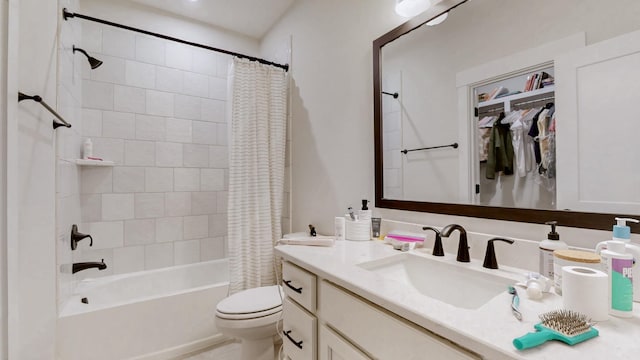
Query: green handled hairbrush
{"type": "Point", "coordinates": [565, 325]}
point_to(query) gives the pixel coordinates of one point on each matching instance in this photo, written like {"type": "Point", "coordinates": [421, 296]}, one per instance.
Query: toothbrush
{"type": "Point", "coordinates": [515, 303]}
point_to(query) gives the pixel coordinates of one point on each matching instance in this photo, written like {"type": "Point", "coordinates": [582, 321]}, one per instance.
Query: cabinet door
{"type": "Point", "coordinates": [334, 347]}
{"type": "Point", "coordinates": [598, 92]}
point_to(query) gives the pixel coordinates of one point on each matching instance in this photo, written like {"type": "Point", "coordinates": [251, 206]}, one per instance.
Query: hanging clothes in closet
{"type": "Point", "coordinates": [500, 152]}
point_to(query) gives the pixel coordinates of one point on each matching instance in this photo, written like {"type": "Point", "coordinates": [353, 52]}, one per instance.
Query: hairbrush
{"type": "Point", "coordinates": [567, 326]}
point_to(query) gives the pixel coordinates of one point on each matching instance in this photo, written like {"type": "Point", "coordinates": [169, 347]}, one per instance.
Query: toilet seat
{"type": "Point", "coordinates": [251, 304]}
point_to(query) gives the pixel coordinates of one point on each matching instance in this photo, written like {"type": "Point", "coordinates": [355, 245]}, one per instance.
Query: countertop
{"type": "Point", "coordinates": [488, 331]}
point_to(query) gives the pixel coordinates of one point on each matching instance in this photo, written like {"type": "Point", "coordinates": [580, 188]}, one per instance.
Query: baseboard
{"type": "Point", "coordinates": [177, 352]}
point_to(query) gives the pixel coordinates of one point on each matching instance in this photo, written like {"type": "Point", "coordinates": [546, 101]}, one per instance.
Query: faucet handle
{"type": "Point", "coordinates": [437, 246]}
{"type": "Point", "coordinates": [77, 236]}
{"type": "Point", "coordinates": [490, 261]}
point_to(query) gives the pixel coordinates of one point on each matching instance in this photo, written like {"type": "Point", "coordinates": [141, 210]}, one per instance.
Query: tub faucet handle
{"type": "Point", "coordinates": [77, 236]}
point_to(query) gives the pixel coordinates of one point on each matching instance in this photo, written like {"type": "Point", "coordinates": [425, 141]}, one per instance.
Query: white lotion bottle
{"type": "Point", "coordinates": [87, 149]}
{"type": "Point", "coordinates": [622, 232]}
{"type": "Point", "coordinates": [618, 264]}
{"type": "Point", "coordinates": [547, 247]}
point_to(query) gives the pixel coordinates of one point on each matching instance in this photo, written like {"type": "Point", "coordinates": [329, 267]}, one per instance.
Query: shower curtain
{"type": "Point", "coordinates": [256, 171]}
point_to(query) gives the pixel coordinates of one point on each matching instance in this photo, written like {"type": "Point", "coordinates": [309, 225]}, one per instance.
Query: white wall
{"type": "Point", "coordinates": [332, 117]}
{"type": "Point", "coordinates": [3, 182]}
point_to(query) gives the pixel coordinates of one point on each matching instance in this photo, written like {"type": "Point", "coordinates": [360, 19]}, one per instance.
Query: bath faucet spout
{"type": "Point", "coordinates": [88, 265]}
{"type": "Point", "coordinates": [463, 247]}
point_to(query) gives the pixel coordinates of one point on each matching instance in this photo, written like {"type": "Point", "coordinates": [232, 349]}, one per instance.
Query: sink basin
{"type": "Point", "coordinates": [454, 284]}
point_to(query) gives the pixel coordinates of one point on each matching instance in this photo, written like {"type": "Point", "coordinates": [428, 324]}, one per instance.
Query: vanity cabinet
{"type": "Point", "coordinates": [337, 324]}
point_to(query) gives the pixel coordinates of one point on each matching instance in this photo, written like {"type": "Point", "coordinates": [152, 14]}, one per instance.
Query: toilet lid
{"type": "Point", "coordinates": [252, 301]}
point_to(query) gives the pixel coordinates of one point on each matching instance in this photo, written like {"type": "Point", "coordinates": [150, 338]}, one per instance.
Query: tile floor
{"type": "Point", "coordinates": [228, 351]}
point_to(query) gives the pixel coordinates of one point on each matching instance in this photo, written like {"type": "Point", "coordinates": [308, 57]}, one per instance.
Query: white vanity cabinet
{"type": "Point", "coordinates": [346, 326]}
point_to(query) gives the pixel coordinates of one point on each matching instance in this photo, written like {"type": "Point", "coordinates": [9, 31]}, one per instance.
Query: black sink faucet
{"type": "Point", "coordinates": [463, 247]}
{"type": "Point", "coordinates": [88, 265]}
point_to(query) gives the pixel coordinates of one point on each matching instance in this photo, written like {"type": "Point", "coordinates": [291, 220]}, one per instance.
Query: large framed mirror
{"type": "Point", "coordinates": [574, 64]}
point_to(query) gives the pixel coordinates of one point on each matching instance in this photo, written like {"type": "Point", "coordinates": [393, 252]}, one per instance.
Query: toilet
{"type": "Point", "coordinates": [251, 316]}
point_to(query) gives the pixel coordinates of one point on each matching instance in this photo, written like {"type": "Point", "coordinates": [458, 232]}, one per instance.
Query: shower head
{"type": "Point", "coordinates": [93, 62]}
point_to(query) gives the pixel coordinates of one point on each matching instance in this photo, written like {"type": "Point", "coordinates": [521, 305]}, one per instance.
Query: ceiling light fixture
{"type": "Point", "coordinates": [438, 20]}
{"type": "Point", "coordinates": [411, 8]}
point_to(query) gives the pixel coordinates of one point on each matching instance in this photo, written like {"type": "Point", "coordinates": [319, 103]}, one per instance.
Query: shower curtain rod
{"type": "Point", "coordinates": [66, 15]}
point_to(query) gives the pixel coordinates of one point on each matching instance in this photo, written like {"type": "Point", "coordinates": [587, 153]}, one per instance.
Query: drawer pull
{"type": "Point", "coordinates": [296, 343]}
{"type": "Point", "coordinates": [288, 283]}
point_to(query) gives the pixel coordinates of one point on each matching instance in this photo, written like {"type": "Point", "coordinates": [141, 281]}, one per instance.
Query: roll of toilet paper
{"type": "Point", "coordinates": [585, 290]}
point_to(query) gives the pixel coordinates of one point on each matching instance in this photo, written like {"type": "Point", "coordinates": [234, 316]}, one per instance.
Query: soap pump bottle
{"type": "Point", "coordinates": [547, 247]}
{"type": "Point", "coordinates": [622, 232]}
{"type": "Point", "coordinates": [365, 213]}
{"type": "Point", "coordinates": [618, 263]}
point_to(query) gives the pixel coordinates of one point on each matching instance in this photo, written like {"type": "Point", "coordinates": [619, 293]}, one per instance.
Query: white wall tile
{"type": "Point", "coordinates": [222, 66]}
{"type": "Point", "coordinates": [212, 180]}
{"type": "Point", "coordinates": [179, 130]}
{"type": "Point", "coordinates": [149, 205]}
{"type": "Point", "coordinates": [105, 234]}
{"type": "Point", "coordinates": [196, 227]}
{"type": "Point", "coordinates": [178, 56]}
{"type": "Point", "coordinates": [158, 256]}
{"type": "Point", "coordinates": [217, 88]}
{"type": "Point", "coordinates": [128, 259]}
{"type": "Point", "coordinates": [168, 79]}
{"type": "Point", "coordinates": [212, 248]}
{"type": "Point", "coordinates": [158, 179]}
{"type": "Point", "coordinates": [223, 197]}
{"type": "Point", "coordinates": [111, 70]}
{"type": "Point", "coordinates": [130, 99]}
{"type": "Point", "coordinates": [91, 122]}
{"type": "Point", "coordinates": [140, 74]}
{"type": "Point", "coordinates": [96, 180]}
{"type": "Point", "coordinates": [204, 203]}
{"type": "Point", "coordinates": [109, 149]}
{"type": "Point", "coordinates": [186, 179]}
{"type": "Point", "coordinates": [97, 95]}
{"type": "Point", "coordinates": [169, 229]}
{"type": "Point", "coordinates": [217, 225]}
{"type": "Point", "coordinates": [205, 133]}
{"type": "Point", "coordinates": [177, 203]}
{"type": "Point", "coordinates": [196, 84]}
{"type": "Point", "coordinates": [168, 154]}
{"type": "Point", "coordinates": [150, 50]}
{"type": "Point", "coordinates": [159, 103]}
{"type": "Point", "coordinates": [213, 110]}
{"type": "Point", "coordinates": [150, 127]}
{"type": "Point", "coordinates": [117, 207]}
{"type": "Point", "coordinates": [218, 157]}
{"type": "Point", "coordinates": [91, 207]}
{"type": "Point", "coordinates": [139, 232]}
{"type": "Point", "coordinates": [205, 62]}
{"type": "Point", "coordinates": [139, 153]}
{"type": "Point", "coordinates": [91, 37]}
{"type": "Point", "coordinates": [187, 107]}
{"type": "Point", "coordinates": [128, 179]}
{"type": "Point", "coordinates": [223, 135]}
{"type": "Point", "coordinates": [186, 252]}
{"type": "Point", "coordinates": [196, 155]}
{"type": "Point", "coordinates": [119, 125]}
{"type": "Point", "coordinates": [116, 42]}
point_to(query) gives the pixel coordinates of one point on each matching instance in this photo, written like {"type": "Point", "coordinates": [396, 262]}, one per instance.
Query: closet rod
{"type": "Point", "coordinates": [515, 104]}
{"type": "Point", "coordinates": [66, 15]}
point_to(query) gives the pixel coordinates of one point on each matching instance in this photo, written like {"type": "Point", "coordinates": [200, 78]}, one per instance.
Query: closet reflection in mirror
{"type": "Point", "coordinates": [446, 74]}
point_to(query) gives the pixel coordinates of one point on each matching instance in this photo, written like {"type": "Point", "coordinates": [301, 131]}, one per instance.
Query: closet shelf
{"type": "Point", "coordinates": [523, 95]}
{"type": "Point", "coordinates": [85, 162]}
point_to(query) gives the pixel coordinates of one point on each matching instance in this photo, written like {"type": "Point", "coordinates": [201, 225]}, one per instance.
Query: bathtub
{"type": "Point", "coordinates": [156, 314]}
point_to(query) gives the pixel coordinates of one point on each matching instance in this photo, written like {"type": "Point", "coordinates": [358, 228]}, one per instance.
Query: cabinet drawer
{"type": "Point", "coordinates": [299, 332]}
{"type": "Point", "coordinates": [383, 335]}
{"type": "Point", "coordinates": [299, 285]}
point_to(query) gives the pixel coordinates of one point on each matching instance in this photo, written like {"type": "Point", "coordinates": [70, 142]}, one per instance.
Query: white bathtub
{"type": "Point", "coordinates": [157, 314]}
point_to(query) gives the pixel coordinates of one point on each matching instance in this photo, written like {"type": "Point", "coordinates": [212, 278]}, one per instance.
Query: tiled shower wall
{"type": "Point", "coordinates": [392, 114]}
{"type": "Point", "coordinates": [157, 109]}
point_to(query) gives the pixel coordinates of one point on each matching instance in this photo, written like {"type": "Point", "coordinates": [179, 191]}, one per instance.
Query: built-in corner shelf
{"type": "Point", "coordinates": [507, 101]}
{"type": "Point", "coordinates": [83, 162]}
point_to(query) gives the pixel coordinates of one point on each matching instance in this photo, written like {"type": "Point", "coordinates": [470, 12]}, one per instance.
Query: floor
{"type": "Point", "coordinates": [228, 351]}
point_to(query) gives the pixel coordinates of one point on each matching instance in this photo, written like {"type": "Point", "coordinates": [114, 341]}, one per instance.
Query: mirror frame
{"type": "Point", "coordinates": [588, 220]}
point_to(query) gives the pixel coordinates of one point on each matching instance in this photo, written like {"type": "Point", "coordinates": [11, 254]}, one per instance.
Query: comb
{"type": "Point", "coordinates": [567, 326]}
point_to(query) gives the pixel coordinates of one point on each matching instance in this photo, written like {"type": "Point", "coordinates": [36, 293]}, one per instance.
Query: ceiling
{"type": "Point", "coordinates": [249, 17]}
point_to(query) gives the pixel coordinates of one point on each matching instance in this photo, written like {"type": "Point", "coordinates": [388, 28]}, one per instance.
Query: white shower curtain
{"type": "Point", "coordinates": [256, 171]}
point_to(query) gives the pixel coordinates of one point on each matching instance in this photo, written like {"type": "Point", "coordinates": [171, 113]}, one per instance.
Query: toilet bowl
{"type": "Point", "coordinates": [251, 316]}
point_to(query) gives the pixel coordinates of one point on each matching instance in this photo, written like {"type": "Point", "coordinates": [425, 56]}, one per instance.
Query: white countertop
{"type": "Point", "coordinates": [488, 331]}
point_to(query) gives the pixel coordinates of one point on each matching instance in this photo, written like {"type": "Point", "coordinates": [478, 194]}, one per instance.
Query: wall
{"type": "Point", "coordinates": [332, 117]}
{"type": "Point", "coordinates": [3, 181]}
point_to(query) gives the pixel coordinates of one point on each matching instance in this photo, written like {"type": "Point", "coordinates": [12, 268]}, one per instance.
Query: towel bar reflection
{"type": "Point", "coordinates": [38, 99]}
{"type": "Point", "coordinates": [454, 145]}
